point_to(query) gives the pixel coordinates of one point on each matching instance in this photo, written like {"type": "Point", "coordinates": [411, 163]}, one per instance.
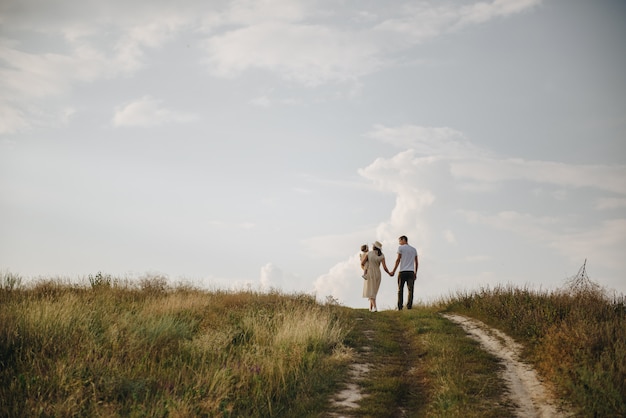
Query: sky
{"type": "Point", "coordinates": [256, 144]}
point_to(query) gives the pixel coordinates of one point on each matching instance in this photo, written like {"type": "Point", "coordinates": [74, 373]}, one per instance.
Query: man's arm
{"type": "Point", "coordinates": [396, 266]}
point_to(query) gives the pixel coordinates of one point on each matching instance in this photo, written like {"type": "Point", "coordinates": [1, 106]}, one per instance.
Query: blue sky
{"type": "Point", "coordinates": [238, 144]}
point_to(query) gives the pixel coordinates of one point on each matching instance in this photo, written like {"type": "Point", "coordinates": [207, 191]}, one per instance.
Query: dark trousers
{"type": "Point", "coordinates": [407, 277]}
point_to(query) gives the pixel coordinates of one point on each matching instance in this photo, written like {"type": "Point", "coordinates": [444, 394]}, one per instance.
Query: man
{"type": "Point", "coordinates": [407, 260]}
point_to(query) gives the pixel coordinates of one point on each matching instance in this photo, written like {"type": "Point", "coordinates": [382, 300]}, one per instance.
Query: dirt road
{"type": "Point", "coordinates": [525, 389]}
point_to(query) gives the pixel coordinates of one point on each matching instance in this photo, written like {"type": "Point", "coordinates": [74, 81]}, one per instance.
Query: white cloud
{"type": "Point", "coordinates": [523, 224]}
{"type": "Point", "coordinates": [422, 21]}
{"type": "Point", "coordinates": [266, 101]}
{"type": "Point", "coordinates": [297, 40]}
{"type": "Point", "coordinates": [94, 46]}
{"type": "Point", "coordinates": [604, 242]}
{"type": "Point", "coordinates": [431, 195]}
{"type": "Point", "coordinates": [430, 141]}
{"type": "Point", "coordinates": [341, 282]}
{"type": "Point", "coordinates": [275, 36]}
{"type": "Point", "coordinates": [611, 203]}
{"type": "Point", "coordinates": [469, 163]}
{"type": "Point", "coordinates": [366, 16]}
{"type": "Point", "coordinates": [28, 75]}
{"type": "Point", "coordinates": [478, 13]}
{"type": "Point", "coordinates": [31, 76]}
{"type": "Point", "coordinates": [271, 277]}
{"type": "Point", "coordinates": [12, 120]}
{"type": "Point", "coordinates": [308, 54]}
{"type": "Point", "coordinates": [602, 177]}
{"type": "Point", "coordinates": [482, 12]}
{"type": "Point", "coordinates": [146, 112]}
{"type": "Point", "coordinates": [129, 49]}
{"type": "Point", "coordinates": [250, 12]}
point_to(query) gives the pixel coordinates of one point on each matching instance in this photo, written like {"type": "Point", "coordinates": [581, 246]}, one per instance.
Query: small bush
{"type": "Point", "coordinates": [10, 281]}
{"type": "Point", "coordinates": [100, 280]}
{"type": "Point", "coordinates": [153, 283]}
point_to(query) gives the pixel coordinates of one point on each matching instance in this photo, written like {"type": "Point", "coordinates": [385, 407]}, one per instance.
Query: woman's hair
{"type": "Point", "coordinates": [378, 251]}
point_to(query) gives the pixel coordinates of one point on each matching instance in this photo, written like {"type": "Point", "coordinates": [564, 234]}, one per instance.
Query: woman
{"type": "Point", "coordinates": [370, 286]}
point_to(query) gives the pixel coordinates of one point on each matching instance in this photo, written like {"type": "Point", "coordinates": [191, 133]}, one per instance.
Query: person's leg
{"type": "Point", "coordinates": [410, 284]}
{"type": "Point", "coordinates": [400, 291]}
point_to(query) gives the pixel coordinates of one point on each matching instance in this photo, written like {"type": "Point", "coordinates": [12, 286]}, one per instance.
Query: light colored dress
{"type": "Point", "coordinates": [371, 285]}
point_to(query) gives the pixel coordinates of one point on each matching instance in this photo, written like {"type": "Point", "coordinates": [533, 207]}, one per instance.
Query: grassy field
{"type": "Point", "coordinates": [117, 350]}
{"type": "Point", "coordinates": [113, 348]}
{"type": "Point", "coordinates": [424, 366]}
{"type": "Point", "coordinates": [575, 337]}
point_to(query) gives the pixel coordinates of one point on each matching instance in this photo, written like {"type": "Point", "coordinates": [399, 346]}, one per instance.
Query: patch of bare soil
{"type": "Point", "coordinates": [524, 387]}
{"type": "Point", "coordinates": [348, 398]}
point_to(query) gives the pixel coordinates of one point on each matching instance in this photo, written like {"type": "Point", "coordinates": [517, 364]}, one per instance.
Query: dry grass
{"type": "Point", "coordinates": [112, 348]}
{"type": "Point", "coordinates": [575, 336]}
{"type": "Point", "coordinates": [119, 350]}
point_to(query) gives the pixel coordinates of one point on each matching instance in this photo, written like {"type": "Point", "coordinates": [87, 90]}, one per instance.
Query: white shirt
{"type": "Point", "coordinates": [407, 257]}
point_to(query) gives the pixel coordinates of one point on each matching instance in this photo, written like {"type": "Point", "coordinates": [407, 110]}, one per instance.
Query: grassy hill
{"type": "Point", "coordinates": [114, 348]}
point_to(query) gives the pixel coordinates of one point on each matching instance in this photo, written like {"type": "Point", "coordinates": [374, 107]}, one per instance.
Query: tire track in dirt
{"type": "Point", "coordinates": [348, 398]}
{"type": "Point", "coordinates": [524, 387]}
{"type": "Point", "coordinates": [397, 364]}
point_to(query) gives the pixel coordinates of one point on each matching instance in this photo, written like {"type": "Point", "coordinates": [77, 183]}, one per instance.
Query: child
{"type": "Point", "coordinates": [364, 251]}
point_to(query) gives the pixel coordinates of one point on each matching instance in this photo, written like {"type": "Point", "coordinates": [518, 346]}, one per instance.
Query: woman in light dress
{"type": "Point", "coordinates": [373, 259]}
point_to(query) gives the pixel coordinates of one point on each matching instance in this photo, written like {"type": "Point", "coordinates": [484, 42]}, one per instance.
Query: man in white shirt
{"type": "Point", "coordinates": [407, 260]}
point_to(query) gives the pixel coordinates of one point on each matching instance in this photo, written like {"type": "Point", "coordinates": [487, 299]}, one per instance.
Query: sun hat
{"type": "Point", "coordinates": [377, 245]}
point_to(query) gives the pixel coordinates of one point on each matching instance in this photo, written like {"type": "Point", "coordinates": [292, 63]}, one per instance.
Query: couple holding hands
{"type": "Point", "coordinates": [406, 260]}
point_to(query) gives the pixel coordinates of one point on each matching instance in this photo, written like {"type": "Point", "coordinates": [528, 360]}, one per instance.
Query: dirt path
{"type": "Point", "coordinates": [524, 387]}
{"type": "Point", "coordinates": [382, 377]}
{"type": "Point", "coordinates": [348, 398]}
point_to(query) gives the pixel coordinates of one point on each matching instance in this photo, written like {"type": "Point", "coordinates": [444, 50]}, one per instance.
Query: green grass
{"type": "Point", "coordinates": [575, 337]}
{"type": "Point", "coordinates": [114, 348]}
{"type": "Point", "coordinates": [425, 366]}
{"type": "Point", "coordinates": [121, 351]}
